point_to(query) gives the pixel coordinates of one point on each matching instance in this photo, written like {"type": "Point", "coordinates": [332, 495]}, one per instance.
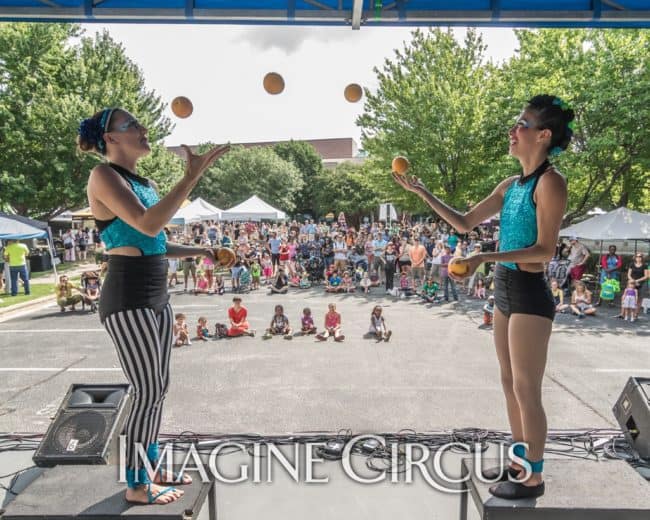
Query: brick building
{"type": "Point", "coordinates": [332, 151]}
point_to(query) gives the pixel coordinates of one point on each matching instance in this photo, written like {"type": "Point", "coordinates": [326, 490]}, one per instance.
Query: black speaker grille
{"type": "Point", "coordinates": [79, 433]}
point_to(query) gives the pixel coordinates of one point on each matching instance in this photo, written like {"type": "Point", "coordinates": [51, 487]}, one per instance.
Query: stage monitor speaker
{"type": "Point", "coordinates": [632, 411]}
{"type": "Point", "coordinates": [86, 428]}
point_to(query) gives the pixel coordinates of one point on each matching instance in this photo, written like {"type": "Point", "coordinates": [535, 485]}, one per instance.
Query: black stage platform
{"type": "Point", "coordinates": [575, 490]}
{"type": "Point", "coordinates": [93, 493]}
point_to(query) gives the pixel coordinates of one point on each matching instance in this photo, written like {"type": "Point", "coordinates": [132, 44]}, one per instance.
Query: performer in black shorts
{"type": "Point", "coordinates": [532, 206]}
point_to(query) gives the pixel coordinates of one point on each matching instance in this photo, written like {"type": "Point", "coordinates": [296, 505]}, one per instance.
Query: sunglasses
{"type": "Point", "coordinates": [129, 123]}
{"type": "Point", "coordinates": [522, 124]}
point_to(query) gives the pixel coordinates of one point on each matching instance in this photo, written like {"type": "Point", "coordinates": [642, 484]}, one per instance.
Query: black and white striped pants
{"type": "Point", "coordinates": [143, 340]}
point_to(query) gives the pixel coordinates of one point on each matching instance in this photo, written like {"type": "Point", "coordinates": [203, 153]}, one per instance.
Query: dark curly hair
{"type": "Point", "coordinates": [91, 131]}
{"type": "Point", "coordinates": [555, 114]}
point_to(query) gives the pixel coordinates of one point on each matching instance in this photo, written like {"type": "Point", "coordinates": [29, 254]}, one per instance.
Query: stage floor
{"type": "Point", "coordinates": [438, 371]}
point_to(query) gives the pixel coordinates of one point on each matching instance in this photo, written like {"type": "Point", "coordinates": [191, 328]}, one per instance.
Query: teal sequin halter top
{"type": "Point", "coordinates": [519, 214]}
{"type": "Point", "coordinates": [116, 233]}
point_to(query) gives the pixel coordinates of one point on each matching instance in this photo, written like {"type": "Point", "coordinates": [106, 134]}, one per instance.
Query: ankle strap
{"type": "Point", "coordinates": [537, 466]}
{"type": "Point", "coordinates": [137, 478]}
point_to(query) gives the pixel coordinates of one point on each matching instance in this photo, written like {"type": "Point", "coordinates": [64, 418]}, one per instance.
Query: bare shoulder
{"type": "Point", "coordinates": [103, 175]}
{"type": "Point", "coordinates": [552, 181]}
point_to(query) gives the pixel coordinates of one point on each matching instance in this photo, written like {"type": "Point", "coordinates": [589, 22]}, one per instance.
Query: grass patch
{"type": "Point", "coordinates": [37, 290]}
{"type": "Point", "coordinates": [61, 268]}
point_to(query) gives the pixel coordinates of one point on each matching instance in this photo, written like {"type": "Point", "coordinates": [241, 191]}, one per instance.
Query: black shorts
{"type": "Point", "coordinates": [275, 259]}
{"type": "Point", "coordinates": [521, 292]}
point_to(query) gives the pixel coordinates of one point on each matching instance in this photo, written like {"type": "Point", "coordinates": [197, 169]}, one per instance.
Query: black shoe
{"type": "Point", "coordinates": [513, 491]}
{"type": "Point", "coordinates": [499, 472]}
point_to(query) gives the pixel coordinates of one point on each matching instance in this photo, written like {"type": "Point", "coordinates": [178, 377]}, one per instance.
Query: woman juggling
{"type": "Point", "coordinates": [134, 305]}
{"type": "Point", "coordinates": [532, 206]}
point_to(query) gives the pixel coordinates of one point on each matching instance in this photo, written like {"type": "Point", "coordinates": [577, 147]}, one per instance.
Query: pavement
{"type": "Point", "coordinates": [439, 371]}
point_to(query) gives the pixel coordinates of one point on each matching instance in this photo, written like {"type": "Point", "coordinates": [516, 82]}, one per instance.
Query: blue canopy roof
{"type": "Point", "coordinates": [17, 227]}
{"type": "Point", "coordinates": [354, 13]}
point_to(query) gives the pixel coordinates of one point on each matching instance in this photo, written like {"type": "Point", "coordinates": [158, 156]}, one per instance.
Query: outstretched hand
{"type": "Point", "coordinates": [410, 183]}
{"type": "Point", "coordinates": [471, 263]}
{"type": "Point", "coordinates": [197, 164]}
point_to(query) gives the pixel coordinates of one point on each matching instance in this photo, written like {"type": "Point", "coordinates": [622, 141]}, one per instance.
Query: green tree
{"type": "Point", "coordinates": [51, 77]}
{"type": "Point", "coordinates": [605, 76]}
{"type": "Point", "coordinates": [244, 172]}
{"type": "Point", "coordinates": [430, 106]}
{"type": "Point", "coordinates": [305, 157]}
{"type": "Point", "coordinates": [350, 188]}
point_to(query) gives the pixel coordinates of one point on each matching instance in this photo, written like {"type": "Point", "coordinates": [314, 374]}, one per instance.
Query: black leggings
{"type": "Point", "coordinates": [143, 340]}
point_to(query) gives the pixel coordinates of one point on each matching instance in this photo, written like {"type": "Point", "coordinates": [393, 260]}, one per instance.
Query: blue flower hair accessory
{"type": "Point", "coordinates": [561, 103]}
{"type": "Point", "coordinates": [555, 151]}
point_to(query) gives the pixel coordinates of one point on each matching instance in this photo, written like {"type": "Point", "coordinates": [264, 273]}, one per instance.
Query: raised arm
{"type": "Point", "coordinates": [463, 222]}
{"type": "Point", "coordinates": [111, 194]}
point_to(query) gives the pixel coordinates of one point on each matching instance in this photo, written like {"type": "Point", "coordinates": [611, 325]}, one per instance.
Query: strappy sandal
{"type": "Point", "coordinates": [152, 498]}
{"type": "Point", "coordinates": [177, 479]}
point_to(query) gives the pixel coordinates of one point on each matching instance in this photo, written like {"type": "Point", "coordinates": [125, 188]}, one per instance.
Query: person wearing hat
{"type": "Point", "coordinates": [578, 256]}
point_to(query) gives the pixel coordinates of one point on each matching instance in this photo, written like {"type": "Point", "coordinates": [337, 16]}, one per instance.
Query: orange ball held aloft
{"type": "Point", "coordinates": [182, 107]}
{"type": "Point", "coordinates": [457, 268]}
{"type": "Point", "coordinates": [353, 92]}
{"type": "Point", "coordinates": [400, 165]}
{"type": "Point", "coordinates": [273, 83]}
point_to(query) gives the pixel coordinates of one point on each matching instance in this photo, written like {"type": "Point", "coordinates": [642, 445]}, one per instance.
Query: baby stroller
{"type": "Point", "coordinates": [245, 282]}
{"type": "Point", "coordinates": [315, 267]}
{"type": "Point", "coordinates": [91, 287]}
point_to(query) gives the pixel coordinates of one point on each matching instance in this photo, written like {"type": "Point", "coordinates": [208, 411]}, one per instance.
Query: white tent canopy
{"type": "Point", "coordinates": [253, 209]}
{"type": "Point", "coordinates": [196, 211]}
{"type": "Point", "coordinates": [621, 224]}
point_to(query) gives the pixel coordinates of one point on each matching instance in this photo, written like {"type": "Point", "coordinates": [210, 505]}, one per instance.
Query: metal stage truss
{"type": "Point", "coordinates": [353, 13]}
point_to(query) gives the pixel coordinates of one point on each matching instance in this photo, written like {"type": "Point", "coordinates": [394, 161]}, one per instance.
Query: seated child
{"type": "Point", "coordinates": [581, 301]}
{"type": "Point", "coordinates": [378, 325]}
{"type": "Point", "coordinates": [334, 283]}
{"type": "Point", "coordinates": [558, 297]}
{"type": "Point", "coordinates": [202, 286]}
{"type": "Point", "coordinates": [479, 289]}
{"type": "Point", "coordinates": [332, 325]}
{"type": "Point", "coordinates": [294, 280]}
{"type": "Point", "coordinates": [488, 312]}
{"type": "Point", "coordinates": [365, 283]}
{"type": "Point", "coordinates": [348, 283]}
{"type": "Point", "coordinates": [307, 325]}
{"type": "Point", "coordinates": [405, 287]}
{"type": "Point", "coordinates": [304, 281]}
{"type": "Point", "coordinates": [219, 286]}
{"type": "Point", "coordinates": [430, 290]}
{"type": "Point", "coordinates": [91, 291]}
{"type": "Point", "coordinates": [374, 279]}
{"type": "Point", "coordinates": [181, 333]}
{"type": "Point", "coordinates": [202, 331]}
{"type": "Point", "coordinates": [279, 325]}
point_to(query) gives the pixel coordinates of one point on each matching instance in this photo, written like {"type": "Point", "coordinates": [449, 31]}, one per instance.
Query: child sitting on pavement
{"type": "Point", "coordinates": [279, 325]}
{"type": "Point", "coordinates": [202, 331]}
{"type": "Point", "coordinates": [488, 313]}
{"type": "Point", "coordinates": [430, 290]}
{"type": "Point", "coordinates": [378, 325]}
{"type": "Point", "coordinates": [332, 325]}
{"type": "Point", "coordinates": [307, 325]}
{"type": "Point", "coordinates": [181, 333]}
